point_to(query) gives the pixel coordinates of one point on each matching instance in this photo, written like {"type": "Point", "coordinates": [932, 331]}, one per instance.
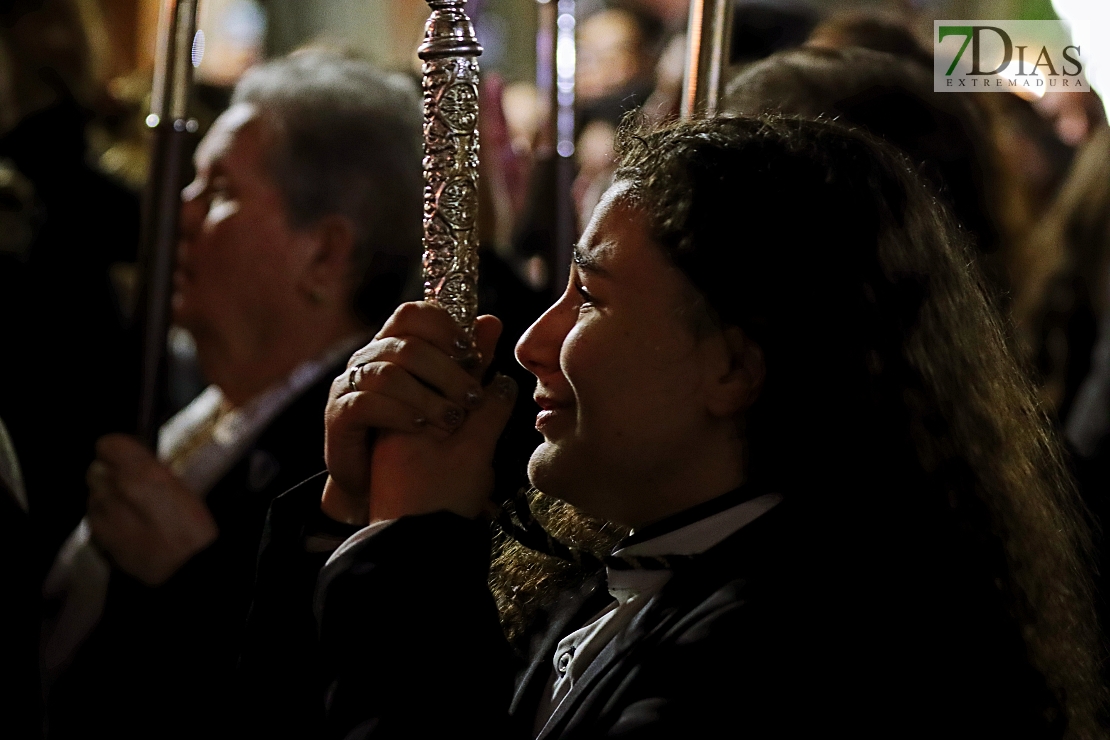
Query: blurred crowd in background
{"type": "Point", "coordinates": [1028, 178]}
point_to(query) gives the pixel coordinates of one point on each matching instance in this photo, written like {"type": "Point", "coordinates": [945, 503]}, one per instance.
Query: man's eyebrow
{"type": "Point", "coordinates": [588, 262]}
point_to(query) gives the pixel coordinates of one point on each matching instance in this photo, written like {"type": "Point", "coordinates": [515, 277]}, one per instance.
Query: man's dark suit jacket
{"type": "Point", "coordinates": [765, 635]}
{"type": "Point", "coordinates": [162, 662]}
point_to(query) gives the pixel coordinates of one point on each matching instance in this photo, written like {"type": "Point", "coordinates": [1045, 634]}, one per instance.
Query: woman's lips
{"type": "Point", "coordinates": [548, 409]}
{"type": "Point", "coordinates": [543, 419]}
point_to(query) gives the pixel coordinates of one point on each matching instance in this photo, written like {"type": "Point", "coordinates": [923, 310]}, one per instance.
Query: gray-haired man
{"type": "Point", "coordinates": [297, 235]}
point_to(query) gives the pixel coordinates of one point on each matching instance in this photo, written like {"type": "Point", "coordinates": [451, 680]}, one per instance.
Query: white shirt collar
{"type": "Point", "coordinates": [692, 539]}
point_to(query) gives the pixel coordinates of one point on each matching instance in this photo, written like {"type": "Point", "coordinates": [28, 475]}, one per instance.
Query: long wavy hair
{"type": "Point", "coordinates": [892, 412]}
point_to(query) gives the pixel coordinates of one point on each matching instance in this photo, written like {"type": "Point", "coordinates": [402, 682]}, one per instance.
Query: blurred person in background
{"type": "Point", "coordinates": [1028, 147]}
{"type": "Point", "coordinates": [1073, 240]}
{"type": "Point", "coordinates": [1059, 281]}
{"type": "Point", "coordinates": [63, 224]}
{"type": "Point", "coordinates": [618, 49]}
{"type": "Point", "coordinates": [1070, 292]}
{"type": "Point", "coordinates": [758, 30]}
{"type": "Point", "coordinates": [761, 28]}
{"type": "Point", "coordinates": [280, 673]}
{"type": "Point", "coordinates": [871, 29]}
{"type": "Point", "coordinates": [299, 233]}
{"type": "Point", "coordinates": [20, 700]}
{"type": "Point", "coordinates": [617, 46]}
{"type": "Point", "coordinates": [615, 55]}
{"type": "Point", "coordinates": [892, 98]}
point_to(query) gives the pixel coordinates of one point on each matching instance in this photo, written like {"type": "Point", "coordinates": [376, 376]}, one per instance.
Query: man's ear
{"type": "Point", "coordinates": [327, 270]}
{"type": "Point", "coordinates": [736, 389]}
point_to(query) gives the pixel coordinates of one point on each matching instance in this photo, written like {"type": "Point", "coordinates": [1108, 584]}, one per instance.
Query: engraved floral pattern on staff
{"type": "Point", "coordinates": [449, 53]}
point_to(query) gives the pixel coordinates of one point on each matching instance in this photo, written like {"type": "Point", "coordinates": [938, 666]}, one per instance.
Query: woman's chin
{"type": "Point", "coordinates": [544, 468]}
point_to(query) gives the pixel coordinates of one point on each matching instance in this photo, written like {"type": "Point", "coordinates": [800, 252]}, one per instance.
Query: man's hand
{"type": "Point", "coordinates": [141, 515]}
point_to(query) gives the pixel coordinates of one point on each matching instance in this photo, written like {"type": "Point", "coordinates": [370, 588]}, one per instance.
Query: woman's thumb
{"type": "Point", "coordinates": [484, 424]}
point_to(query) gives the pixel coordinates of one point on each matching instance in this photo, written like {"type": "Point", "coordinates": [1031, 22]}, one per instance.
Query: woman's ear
{"type": "Point", "coordinates": [736, 389]}
{"type": "Point", "coordinates": [328, 267]}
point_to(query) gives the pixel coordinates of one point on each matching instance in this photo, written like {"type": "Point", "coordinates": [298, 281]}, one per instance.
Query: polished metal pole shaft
{"type": "Point", "coordinates": [171, 132]}
{"type": "Point", "coordinates": [708, 40]}
{"type": "Point", "coordinates": [450, 55]}
{"type": "Point", "coordinates": [556, 64]}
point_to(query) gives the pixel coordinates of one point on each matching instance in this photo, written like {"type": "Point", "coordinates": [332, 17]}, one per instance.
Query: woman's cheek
{"type": "Point", "coordinates": [579, 355]}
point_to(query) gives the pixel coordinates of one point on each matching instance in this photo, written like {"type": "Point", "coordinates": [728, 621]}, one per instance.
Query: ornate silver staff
{"type": "Point", "coordinates": [172, 129]}
{"type": "Point", "coordinates": [450, 52]}
{"type": "Point", "coordinates": [708, 40]}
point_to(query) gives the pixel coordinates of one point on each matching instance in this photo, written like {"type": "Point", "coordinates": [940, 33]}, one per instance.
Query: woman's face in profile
{"type": "Point", "coordinates": [621, 373]}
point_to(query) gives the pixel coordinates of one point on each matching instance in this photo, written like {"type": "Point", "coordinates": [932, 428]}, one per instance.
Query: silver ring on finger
{"type": "Point", "coordinates": [352, 377]}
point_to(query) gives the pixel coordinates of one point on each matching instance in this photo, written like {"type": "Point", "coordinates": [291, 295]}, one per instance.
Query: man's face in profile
{"type": "Point", "coordinates": [233, 270]}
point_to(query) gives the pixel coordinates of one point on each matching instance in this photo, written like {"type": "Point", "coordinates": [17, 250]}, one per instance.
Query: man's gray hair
{"type": "Point", "coordinates": [348, 143]}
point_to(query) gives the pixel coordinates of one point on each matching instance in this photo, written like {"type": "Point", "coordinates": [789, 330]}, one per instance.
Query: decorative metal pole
{"type": "Point", "coordinates": [172, 130]}
{"type": "Point", "coordinates": [450, 52]}
{"type": "Point", "coordinates": [708, 41]}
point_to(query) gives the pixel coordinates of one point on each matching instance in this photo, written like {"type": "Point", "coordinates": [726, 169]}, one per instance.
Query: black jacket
{"type": "Point", "coordinates": [57, 301]}
{"type": "Point", "coordinates": [162, 661]}
{"type": "Point", "coordinates": [769, 634]}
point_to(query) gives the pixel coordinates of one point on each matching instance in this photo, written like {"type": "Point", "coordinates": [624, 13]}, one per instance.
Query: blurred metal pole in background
{"type": "Point", "coordinates": [450, 54]}
{"type": "Point", "coordinates": [172, 130]}
{"type": "Point", "coordinates": [708, 40]}
{"type": "Point", "coordinates": [556, 61]}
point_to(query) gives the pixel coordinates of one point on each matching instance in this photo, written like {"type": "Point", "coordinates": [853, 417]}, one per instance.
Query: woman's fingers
{"type": "Point", "coordinates": [431, 367]}
{"type": "Point", "coordinates": [487, 330]}
{"type": "Point", "coordinates": [370, 369]}
{"type": "Point", "coordinates": [411, 375]}
{"type": "Point", "coordinates": [373, 409]}
{"type": "Point", "coordinates": [484, 425]}
{"type": "Point", "coordinates": [387, 380]}
{"type": "Point", "coordinates": [428, 322]}
{"type": "Point", "coordinates": [432, 324]}
{"type": "Point", "coordinates": [417, 474]}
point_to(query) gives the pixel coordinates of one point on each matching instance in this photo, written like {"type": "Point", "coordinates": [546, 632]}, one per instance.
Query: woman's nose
{"type": "Point", "coordinates": [539, 347]}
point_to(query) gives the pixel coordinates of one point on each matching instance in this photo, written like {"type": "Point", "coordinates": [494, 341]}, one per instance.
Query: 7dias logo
{"type": "Point", "coordinates": [1029, 58]}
